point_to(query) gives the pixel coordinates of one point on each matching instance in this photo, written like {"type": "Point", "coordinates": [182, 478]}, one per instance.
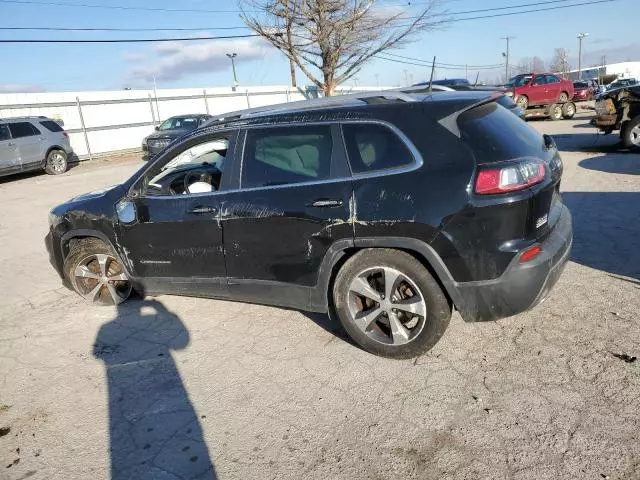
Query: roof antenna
{"type": "Point", "coordinates": [433, 68]}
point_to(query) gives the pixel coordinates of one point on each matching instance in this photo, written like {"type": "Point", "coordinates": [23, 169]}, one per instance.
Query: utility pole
{"type": "Point", "coordinates": [466, 72]}
{"type": "Point", "coordinates": [580, 37]}
{"type": "Point", "coordinates": [506, 57]}
{"type": "Point", "coordinates": [233, 56]}
{"type": "Point", "coordinates": [406, 77]}
{"type": "Point", "coordinates": [377, 80]}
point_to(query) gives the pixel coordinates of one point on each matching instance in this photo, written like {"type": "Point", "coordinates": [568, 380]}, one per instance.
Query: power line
{"type": "Point", "coordinates": [380, 56]}
{"type": "Point", "coordinates": [593, 2]}
{"type": "Point", "coordinates": [429, 62]}
{"type": "Point", "coordinates": [97, 29]}
{"type": "Point", "coordinates": [114, 7]}
{"type": "Point", "coordinates": [131, 40]}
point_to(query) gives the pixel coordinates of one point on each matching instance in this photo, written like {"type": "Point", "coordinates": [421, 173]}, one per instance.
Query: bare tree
{"type": "Point", "coordinates": [537, 65]}
{"type": "Point", "coordinates": [530, 65]}
{"type": "Point", "coordinates": [336, 37]}
{"type": "Point", "coordinates": [560, 62]}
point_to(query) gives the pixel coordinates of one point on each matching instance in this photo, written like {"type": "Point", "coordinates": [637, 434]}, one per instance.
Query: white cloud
{"type": "Point", "coordinates": [20, 88]}
{"type": "Point", "coordinates": [175, 60]}
{"type": "Point", "coordinates": [133, 57]}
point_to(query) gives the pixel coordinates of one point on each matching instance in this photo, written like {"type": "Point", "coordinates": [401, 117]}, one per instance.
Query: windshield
{"type": "Point", "coordinates": [187, 123]}
{"type": "Point", "coordinates": [519, 81]}
{"type": "Point", "coordinates": [205, 153]}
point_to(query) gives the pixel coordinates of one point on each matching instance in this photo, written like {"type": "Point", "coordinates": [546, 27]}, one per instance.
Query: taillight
{"type": "Point", "coordinates": [530, 254]}
{"type": "Point", "coordinates": [66, 135]}
{"type": "Point", "coordinates": [511, 178]}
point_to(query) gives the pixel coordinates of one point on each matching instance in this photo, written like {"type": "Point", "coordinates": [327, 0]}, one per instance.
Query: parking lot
{"type": "Point", "coordinates": [265, 393]}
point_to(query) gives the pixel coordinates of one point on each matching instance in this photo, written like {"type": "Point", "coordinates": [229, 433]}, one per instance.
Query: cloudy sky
{"type": "Point", "coordinates": [54, 67]}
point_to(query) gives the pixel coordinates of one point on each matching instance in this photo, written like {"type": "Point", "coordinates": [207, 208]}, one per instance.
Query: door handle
{"type": "Point", "coordinates": [202, 209]}
{"type": "Point", "coordinates": [323, 203]}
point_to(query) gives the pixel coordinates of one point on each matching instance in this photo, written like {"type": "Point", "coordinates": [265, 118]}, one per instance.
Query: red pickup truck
{"type": "Point", "coordinates": [534, 89]}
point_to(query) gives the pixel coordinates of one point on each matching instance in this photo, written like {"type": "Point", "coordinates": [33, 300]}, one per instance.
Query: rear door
{"type": "Point", "coordinates": [29, 143]}
{"type": "Point", "coordinates": [291, 207]}
{"type": "Point", "coordinates": [9, 156]}
{"type": "Point", "coordinates": [554, 86]}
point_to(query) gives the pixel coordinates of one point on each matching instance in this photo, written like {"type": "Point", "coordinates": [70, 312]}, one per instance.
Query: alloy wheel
{"type": "Point", "coordinates": [57, 162]}
{"type": "Point", "coordinates": [101, 279]}
{"type": "Point", "coordinates": [634, 135]}
{"type": "Point", "coordinates": [387, 306]}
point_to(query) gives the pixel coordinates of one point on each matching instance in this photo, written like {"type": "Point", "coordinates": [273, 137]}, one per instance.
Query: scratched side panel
{"type": "Point", "coordinates": [275, 235]}
{"type": "Point", "coordinates": [168, 241]}
{"type": "Point", "coordinates": [417, 204]}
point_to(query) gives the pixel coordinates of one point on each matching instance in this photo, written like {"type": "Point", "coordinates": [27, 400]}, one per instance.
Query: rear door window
{"type": "Point", "coordinates": [372, 147]}
{"type": "Point", "coordinates": [23, 129]}
{"type": "Point", "coordinates": [4, 133]}
{"type": "Point", "coordinates": [551, 79]}
{"type": "Point", "coordinates": [286, 155]}
{"type": "Point", "coordinates": [540, 80]}
{"type": "Point", "coordinates": [51, 126]}
{"type": "Point", "coordinates": [495, 134]}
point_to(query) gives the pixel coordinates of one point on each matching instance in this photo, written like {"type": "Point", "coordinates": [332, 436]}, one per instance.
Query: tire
{"type": "Point", "coordinates": [56, 162]}
{"type": "Point", "coordinates": [555, 111]}
{"type": "Point", "coordinates": [568, 110]}
{"type": "Point", "coordinates": [96, 274]}
{"type": "Point", "coordinates": [523, 101]}
{"type": "Point", "coordinates": [564, 97]}
{"type": "Point", "coordinates": [630, 133]}
{"type": "Point", "coordinates": [385, 327]}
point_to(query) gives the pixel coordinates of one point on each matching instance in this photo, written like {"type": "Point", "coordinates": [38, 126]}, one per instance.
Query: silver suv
{"type": "Point", "coordinates": [32, 143]}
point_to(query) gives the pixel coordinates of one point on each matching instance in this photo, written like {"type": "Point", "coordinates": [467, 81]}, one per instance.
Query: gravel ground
{"type": "Point", "coordinates": [165, 387]}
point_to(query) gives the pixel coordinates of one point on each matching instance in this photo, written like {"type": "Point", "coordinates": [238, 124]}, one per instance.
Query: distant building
{"type": "Point", "coordinates": [622, 70]}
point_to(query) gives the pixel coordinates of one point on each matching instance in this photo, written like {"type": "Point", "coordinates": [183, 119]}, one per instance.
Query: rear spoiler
{"type": "Point", "coordinates": [450, 122]}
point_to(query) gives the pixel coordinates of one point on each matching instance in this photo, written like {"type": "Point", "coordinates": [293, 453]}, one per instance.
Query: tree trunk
{"type": "Point", "coordinates": [292, 68]}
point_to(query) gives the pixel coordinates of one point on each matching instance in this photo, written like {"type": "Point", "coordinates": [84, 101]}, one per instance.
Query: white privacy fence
{"type": "Point", "coordinates": [111, 121]}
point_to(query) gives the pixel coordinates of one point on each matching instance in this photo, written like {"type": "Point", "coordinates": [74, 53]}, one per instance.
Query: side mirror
{"type": "Point", "coordinates": [157, 128]}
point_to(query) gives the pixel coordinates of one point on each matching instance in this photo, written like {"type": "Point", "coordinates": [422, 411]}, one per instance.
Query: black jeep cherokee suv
{"type": "Point", "coordinates": [388, 209]}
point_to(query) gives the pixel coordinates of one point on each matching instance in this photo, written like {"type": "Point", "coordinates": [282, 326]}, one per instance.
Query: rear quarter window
{"type": "Point", "coordinates": [495, 134]}
{"type": "Point", "coordinates": [372, 147]}
{"type": "Point", "coordinates": [51, 126]}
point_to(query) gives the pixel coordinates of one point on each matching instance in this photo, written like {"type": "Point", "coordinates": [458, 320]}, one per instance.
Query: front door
{"type": "Point", "coordinates": [294, 202]}
{"type": "Point", "coordinates": [175, 244]}
{"type": "Point", "coordinates": [9, 157]}
{"type": "Point", "coordinates": [538, 91]}
{"type": "Point", "coordinates": [29, 142]}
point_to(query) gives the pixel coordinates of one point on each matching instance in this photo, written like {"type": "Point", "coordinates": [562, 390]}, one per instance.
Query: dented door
{"type": "Point", "coordinates": [295, 201]}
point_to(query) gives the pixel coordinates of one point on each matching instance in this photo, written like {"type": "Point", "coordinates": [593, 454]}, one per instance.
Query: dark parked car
{"type": "Point", "coordinates": [504, 100]}
{"type": "Point", "coordinates": [169, 130]}
{"type": "Point", "coordinates": [452, 82]}
{"type": "Point", "coordinates": [389, 209]}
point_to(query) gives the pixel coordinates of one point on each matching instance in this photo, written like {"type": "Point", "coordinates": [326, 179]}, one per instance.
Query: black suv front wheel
{"type": "Point", "coordinates": [390, 304]}
{"type": "Point", "coordinates": [96, 274]}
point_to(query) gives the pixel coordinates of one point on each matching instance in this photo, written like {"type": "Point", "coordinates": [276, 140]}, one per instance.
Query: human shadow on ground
{"type": "Point", "coordinates": [154, 430]}
{"type": "Point", "coordinates": [606, 231]}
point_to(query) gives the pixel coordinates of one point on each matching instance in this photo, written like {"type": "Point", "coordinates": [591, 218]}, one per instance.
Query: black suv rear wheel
{"type": "Point", "coordinates": [390, 304]}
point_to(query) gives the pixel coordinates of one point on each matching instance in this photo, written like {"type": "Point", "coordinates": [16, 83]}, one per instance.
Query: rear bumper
{"type": "Point", "coordinates": [522, 286]}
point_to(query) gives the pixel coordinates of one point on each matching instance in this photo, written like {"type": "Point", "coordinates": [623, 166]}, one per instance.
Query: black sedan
{"type": "Point", "coordinates": [170, 130]}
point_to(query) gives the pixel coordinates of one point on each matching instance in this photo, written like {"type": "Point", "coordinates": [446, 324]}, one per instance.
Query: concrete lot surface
{"type": "Point", "coordinates": [166, 387]}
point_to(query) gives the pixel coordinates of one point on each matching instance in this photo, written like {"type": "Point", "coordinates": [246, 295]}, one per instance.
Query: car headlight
{"type": "Point", "coordinates": [509, 94]}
